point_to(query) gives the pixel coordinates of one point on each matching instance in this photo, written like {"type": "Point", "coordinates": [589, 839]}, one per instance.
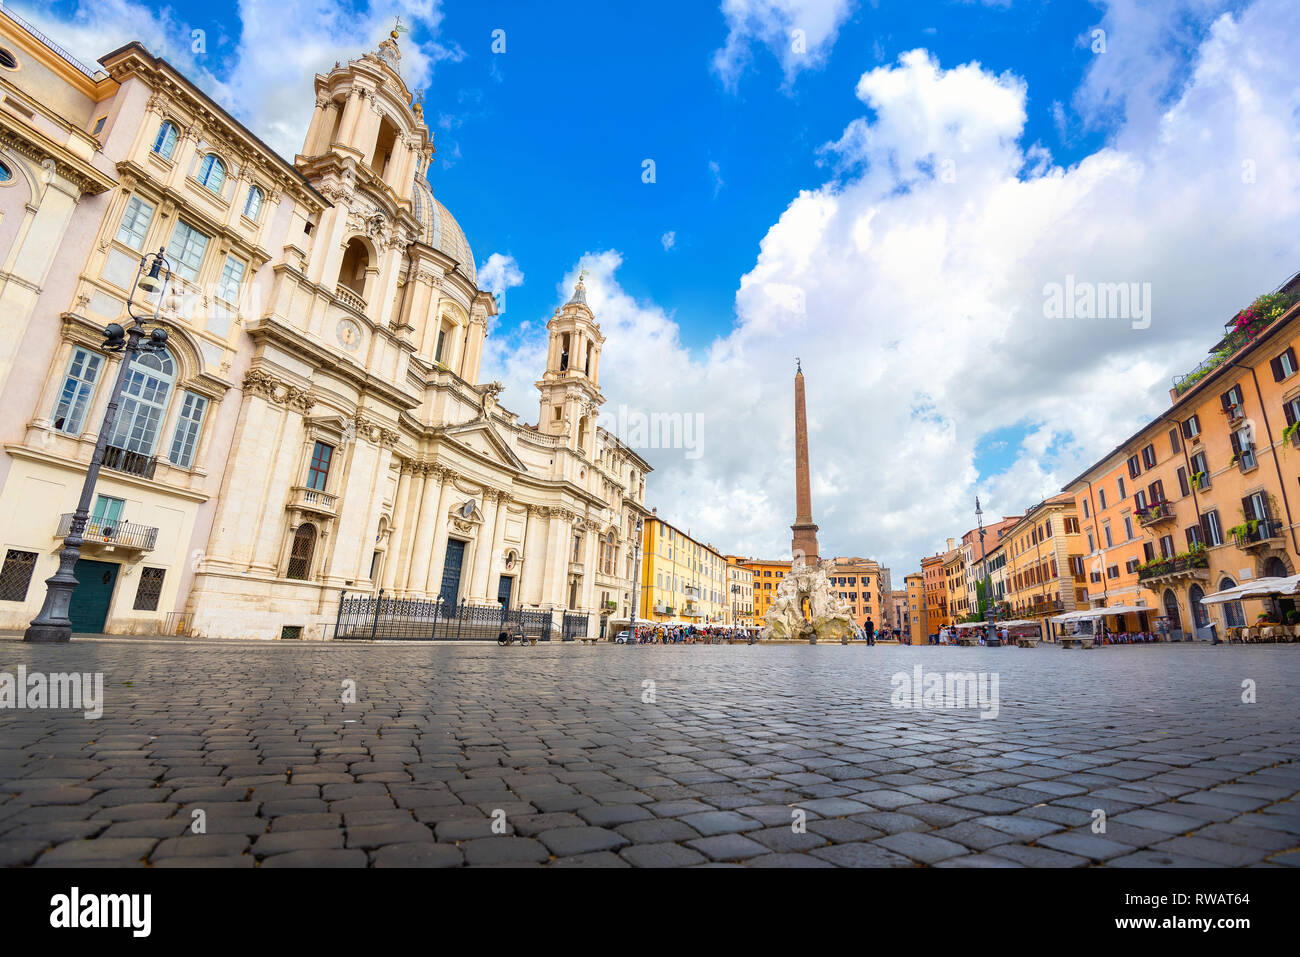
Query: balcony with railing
{"type": "Point", "coordinates": [1258, 533]}
{"type": "Point", "coordinates": [313, 500]}
{"type": "Point", "coordinates": [131, 463]}
{"type": "Point", "coordinates": [125, 535]}
{"type": "Point", "coordinates": [1196, 565]}
{"type": "Point", "coordinates": [1156, 514]}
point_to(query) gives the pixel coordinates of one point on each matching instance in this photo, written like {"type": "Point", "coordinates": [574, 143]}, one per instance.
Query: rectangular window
{"type": "Point", "coordinates": [1148, 551]}
{"type": "Point", "coordinates": [1232, 403]}
{"type": "Point", "coordinates": [1212, 529]}
{"type": "Point", "coordinates": [1134, 468]}
{"type": "Point", "coordinates": [1131, 565]}
{"type": "Point", "coordinates": [1167, 546]}
{"type": "Point", "coordinates": [1128, 528]}
{"type": "Point", "coordinates": [1085, 509]}
{"type": "Point", "coordinates": [78, 387]}
{"type": "Point", "coordinates": [135, 223]}
{"type": "Point", "coordinates": [1101, 498]}
{"type": "Point", "coordinates": [1092, 544]}
{"type": "Point", "coordinates": [150, 587]}
{"type": "Point", "coordinates": [319, 471]}
{"type": "Point", "coordinates": [437, 354]}
{"type": "Point", "coordinates": [1122, 494]}
{"type": "Point", "coordinates": [1149, 456]}
{"type": "Point", "coordinates": [1105, 531]}
{"type": "Point", "coordinates": [107, 511]}
{"type": "Point", "coordinates": [1201, 469]}
{"type": "Point", "coordinates": [1194, 537]}
{"type": "Point", "coordinates": [187, 430]}
{"type": "Point", "coordinates": [1183, 486]}
{"type": "Point", "coordinates": [232, 275]}
{"type": "Point", "coordinates": [1072, 524]}
{"type": "Point", "coordinates": [16, 575]}
{"type": "Point", "coordinates": [186, 250]}
{"type": "Point", "coordinates": [1284, 365]}
{"type": "Point", "coordinates": [1192, 428]}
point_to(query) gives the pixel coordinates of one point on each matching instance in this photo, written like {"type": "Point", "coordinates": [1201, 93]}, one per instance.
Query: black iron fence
{"type": "Point", "coordinates": [371, 618]}
{"type": "Point", "coordinates": [574, 626]}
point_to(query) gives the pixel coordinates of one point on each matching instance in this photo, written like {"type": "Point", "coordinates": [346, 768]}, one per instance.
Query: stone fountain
{"type": "Point", "coordinates": [806, 609]}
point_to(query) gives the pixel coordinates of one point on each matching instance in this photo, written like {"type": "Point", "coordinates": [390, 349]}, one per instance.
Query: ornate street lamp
{"type": "Point", "coordinates": [636, 580]}
{"type": "Point", "coordinates": [53, 623]}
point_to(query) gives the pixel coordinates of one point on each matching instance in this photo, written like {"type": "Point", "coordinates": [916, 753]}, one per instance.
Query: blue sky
{"type": "Point", "coordinates": [812, 213]}
{"type": "Point", "coordinates": [541, 148]}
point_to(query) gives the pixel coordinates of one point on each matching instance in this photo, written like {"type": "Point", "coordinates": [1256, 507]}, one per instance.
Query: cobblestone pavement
{"type": "Point", "coordinates": [557, 742]}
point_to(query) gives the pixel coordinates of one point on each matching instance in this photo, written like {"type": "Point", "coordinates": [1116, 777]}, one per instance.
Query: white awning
{"type": "Point", "coordinates": [1259, 588]}
{"type": "Point", "coordinates": [1102, 612]}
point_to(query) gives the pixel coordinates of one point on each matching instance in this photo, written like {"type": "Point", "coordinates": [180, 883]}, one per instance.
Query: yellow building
{"type": "Point", "coordinates": [915, 633]}
{"type": "Point", "coordinates": [740, 593]}
{"type": "Point", "coordinates": [1042, 550]}
{"type": "Point", "coordinates": [767, 579]}
{"type": "Point", "coordinates": [681, 579]}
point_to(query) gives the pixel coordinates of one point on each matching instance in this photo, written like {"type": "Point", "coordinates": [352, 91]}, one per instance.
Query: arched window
{"type": "Point", "coordinates": [1200, 614]}
{"type": "Point", "coordinates": [6, 174]}
{"type": "Point", "coordinates": [1234, 616]}
{"type": "Point", "coordinates": [356, 261]}
{"type": "Point", "coordinates": [253, 204]}
{"type": "Point", "coordinates": [609, 554]}
{"type": "Point", "coordinates": [144, 400]}
{"type": "Point", "coordinates": [300, 553]}
{"type": "Point", "coordinates": [212, 173]}
{"type": "Point", "coordinates": [164, 143]}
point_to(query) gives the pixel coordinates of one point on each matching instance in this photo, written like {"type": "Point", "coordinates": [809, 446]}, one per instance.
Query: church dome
{"type": "Point", "coordinates": [441, 231]}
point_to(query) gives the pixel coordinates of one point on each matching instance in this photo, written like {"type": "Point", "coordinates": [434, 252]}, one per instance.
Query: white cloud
{"type": "Point", "coordinates": [498, 274]}
{"type": "Point", "coordinates": [799, 33]}
{"type": "Point", "coordinates": [669, 240]}
{"type": "Point", "coordinates": [264, 75]}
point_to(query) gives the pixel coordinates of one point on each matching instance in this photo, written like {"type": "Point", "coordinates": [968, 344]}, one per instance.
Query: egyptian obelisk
{"type": "Point", "coordinates": [805, 532]}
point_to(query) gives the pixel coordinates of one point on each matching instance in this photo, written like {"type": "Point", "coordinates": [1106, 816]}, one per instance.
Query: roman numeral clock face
{"type": "Point", "coordinates": [349, 334]}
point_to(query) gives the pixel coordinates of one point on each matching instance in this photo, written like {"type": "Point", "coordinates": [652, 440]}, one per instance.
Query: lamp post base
{"type": "Point", "coordinates": [48, 634]}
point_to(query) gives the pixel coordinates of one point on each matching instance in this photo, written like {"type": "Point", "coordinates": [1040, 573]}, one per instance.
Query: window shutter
{"type": "Point", "coordinates": [1289, 412]}
{"type": "Point", "coordinates": [1187, 428]}
{"type": "Point", "coordinates": [1290, 354]}
{"type": "Point", "coordinates": [1276, 364]}
{"type": "Point", "coordinates": [1226, 399]}
{"type": "Point", "coordinates": [1173, 441]}
{"type": "Point", "coordinates": [1236, 445]}
{"type": "Point", "coordinates": [1248, 508]}
{"type": "Point", "coordinates": [1148, 550]}
{"type": "Point", "coordinates": [1183, 487]}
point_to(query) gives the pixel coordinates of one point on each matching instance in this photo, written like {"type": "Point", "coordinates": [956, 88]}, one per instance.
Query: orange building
{"type": "Point", "coordinates": [1204, 496]}
{"type": "Point", "coordinates": [935, 592]}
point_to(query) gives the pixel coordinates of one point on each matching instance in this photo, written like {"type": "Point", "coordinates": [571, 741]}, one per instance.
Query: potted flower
{"type": "Point", "coordinates": [1292, 433]}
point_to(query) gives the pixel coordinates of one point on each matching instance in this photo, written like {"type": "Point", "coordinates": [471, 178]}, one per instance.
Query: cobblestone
{"type": "Point", "coordinates": [741, 743]}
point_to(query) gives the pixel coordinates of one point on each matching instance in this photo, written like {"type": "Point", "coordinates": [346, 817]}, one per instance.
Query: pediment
{"type": "Point", "coordinates": [481, 436]}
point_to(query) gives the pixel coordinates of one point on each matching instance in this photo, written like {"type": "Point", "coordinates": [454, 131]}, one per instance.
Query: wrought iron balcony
{"type": "Point", "coordinates": [132, 463]}
{"type": "Point", "coordinates": [1267, 532]}
{"type": "Point", "coordinates": [1195, 566]}
{"type": "Point", "coordinates": [118, 534]}
{"type": "Point", "coordinates": [1156, 514]}
{"type": "Point", "coordinates": [313, 500]}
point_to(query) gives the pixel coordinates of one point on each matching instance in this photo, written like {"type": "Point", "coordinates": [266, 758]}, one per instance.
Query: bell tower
{"type": "Point", "coordinates": [570, 386]}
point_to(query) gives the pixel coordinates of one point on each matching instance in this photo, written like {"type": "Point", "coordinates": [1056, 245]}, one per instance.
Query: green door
{"type": "Point", "coordinates": [90, 601]}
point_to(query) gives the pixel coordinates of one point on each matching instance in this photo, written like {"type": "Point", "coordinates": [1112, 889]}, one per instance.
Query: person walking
{"type": "Point", "coordinates": [870, 629]}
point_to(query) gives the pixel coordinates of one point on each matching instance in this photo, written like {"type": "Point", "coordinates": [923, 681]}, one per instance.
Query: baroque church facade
{"type": "Point", "coordinates": [317, 426]}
